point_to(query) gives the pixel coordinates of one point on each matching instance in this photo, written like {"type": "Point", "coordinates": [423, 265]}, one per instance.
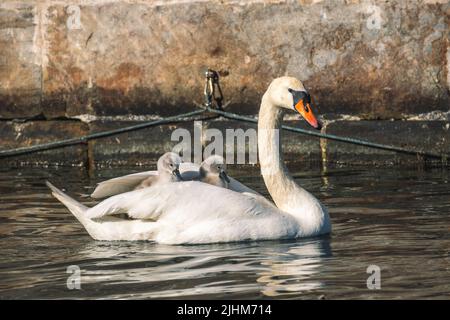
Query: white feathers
{"type": "Point", "coordinates": [190, 212]}
{"type": "Point", "coordinates": [168, 171]}
{"type": "Point", "coordinates": [213, 171]}
{"type": "Point", "coordinates": [189, 171]}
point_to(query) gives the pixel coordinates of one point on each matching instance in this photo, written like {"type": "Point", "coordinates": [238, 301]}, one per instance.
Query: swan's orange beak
{"type": "Point", "coordinates": [302, 103]}
{"type": "Point", "coordinates": [304, 108]}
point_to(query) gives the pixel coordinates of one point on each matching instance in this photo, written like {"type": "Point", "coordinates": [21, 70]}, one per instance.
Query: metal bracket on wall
{"type": "Point", "coordinates": [213, 92]}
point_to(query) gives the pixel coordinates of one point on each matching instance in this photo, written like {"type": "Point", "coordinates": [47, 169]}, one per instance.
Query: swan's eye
{"type": "Point", "coordinates": [307, 97]}
{"type": "Point", "coordinates": [300, 95]}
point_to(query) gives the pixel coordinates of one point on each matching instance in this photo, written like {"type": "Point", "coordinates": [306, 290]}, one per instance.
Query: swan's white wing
{"type": "Point", "coordinates": [146, 203]}
{"type": "Point", "coordinates": [120, 184]}
{"type": "Point", "coordinates": [152, 202]}
{"type": "Point", "coordinates": [188, 170]}
{"type": "Point", "coordinates": [240, 187]}
{"type": "Point", "coordinates": [196, 212]}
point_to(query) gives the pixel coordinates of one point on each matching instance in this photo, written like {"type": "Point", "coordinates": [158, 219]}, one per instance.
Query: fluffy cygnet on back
{"type": "Point", "coordinates": [168, 171]}
{"type": "Point", "coordinates": [213, 171]}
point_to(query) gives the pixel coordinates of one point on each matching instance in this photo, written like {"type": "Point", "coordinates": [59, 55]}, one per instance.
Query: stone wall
{"type": "Point", "coordinates": [98, 64]}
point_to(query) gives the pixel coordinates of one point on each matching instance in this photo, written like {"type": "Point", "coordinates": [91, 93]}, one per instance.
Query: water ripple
{"type": "Point", "coordinates": [396, 219]}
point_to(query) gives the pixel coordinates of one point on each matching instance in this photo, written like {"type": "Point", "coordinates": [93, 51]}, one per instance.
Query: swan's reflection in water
{"type": "Point", "coordinates": [293, 271]}
{"type": "Point", "coordinates": [203, 271]}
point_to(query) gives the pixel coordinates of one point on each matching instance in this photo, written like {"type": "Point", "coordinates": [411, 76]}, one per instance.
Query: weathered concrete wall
{"type": "Point", "coordinates": [16, 134]}
{"type": "Point", "coordinates": [94, 59]}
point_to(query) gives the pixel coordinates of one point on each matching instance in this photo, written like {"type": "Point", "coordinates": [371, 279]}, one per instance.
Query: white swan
{"type": "Point", "coordinates": [194, 212]}
{"type": "Point", "coordinates": [168, 171]}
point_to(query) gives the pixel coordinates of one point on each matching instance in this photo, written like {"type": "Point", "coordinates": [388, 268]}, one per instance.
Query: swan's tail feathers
{"type": "Point", "coordinates": [77, 209]}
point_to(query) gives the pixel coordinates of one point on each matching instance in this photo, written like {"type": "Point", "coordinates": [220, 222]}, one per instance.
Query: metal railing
{"type": "Point", "coordinates": [213, 104]}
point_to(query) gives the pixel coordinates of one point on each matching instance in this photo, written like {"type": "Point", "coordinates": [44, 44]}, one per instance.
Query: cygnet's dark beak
{"type": "Point", "coordinates": [177, 174]}
{"type": "Point", "coordinates": [223, 176]}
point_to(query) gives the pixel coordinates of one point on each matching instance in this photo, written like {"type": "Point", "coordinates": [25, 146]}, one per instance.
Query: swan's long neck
{"type": "Point", "coordinates": [275, 174]}
{"type": "Point", "coordinates": [287, 195]}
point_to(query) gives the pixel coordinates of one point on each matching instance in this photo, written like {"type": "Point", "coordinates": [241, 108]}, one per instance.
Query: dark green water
{"type": "Point", "coordinates": [397, 219]}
